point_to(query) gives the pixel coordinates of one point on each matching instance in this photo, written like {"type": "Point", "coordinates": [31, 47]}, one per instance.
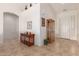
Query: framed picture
{"type": "Point", "coordinates": [29, 25]}
{"type": "Point", "coordinates": [43, 22]}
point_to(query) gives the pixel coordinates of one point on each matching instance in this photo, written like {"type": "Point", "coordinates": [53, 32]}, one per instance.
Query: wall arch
{"type": "Point", "coordinates": [12, 13]}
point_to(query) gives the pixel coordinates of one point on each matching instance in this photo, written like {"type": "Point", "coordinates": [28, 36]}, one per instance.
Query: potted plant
{"type": "Point", "coordinates": [46, 41]}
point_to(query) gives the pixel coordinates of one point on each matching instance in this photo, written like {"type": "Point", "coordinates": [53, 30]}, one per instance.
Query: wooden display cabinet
{"type": "Point", "coordinates": [27, 39]}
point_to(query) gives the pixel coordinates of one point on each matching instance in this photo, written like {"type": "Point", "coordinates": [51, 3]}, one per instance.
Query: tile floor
{"type": "Point", "coordinates": [61, 47]}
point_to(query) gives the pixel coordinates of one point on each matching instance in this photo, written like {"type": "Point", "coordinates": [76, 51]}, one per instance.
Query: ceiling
{"type": "Point", "coordinates": [60, 7]}
{"type": "Point", "coordinates": [18, 6]}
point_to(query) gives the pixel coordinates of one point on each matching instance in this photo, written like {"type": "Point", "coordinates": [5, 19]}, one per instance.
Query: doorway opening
{"type": "Point", "coordinates": [50, 30]}
{"type": "Point", "coordinates": [10, 26]}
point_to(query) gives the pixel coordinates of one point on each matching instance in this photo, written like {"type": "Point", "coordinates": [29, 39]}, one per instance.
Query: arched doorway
{"type": "Point", "coordinates": [10, 26]}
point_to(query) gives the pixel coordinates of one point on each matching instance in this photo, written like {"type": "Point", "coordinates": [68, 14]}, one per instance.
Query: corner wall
{"type": "Point", "coordinates": [31, 14]}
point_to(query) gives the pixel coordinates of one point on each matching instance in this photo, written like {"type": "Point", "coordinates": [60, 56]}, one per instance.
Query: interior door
{"type": "Point", "coordinates": [50, 30]}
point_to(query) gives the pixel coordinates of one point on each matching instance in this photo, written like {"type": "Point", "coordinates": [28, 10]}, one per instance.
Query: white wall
{"type": "Point", "coordinates": [1, 27]}
{"type": "Point", "coordinates": [47, 11]}
{"type": "Point", "coordinates": [31, 14]}
{"type": "Point", "coordinates": [78, 25]}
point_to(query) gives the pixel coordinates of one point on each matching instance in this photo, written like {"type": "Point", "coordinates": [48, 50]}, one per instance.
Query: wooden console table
{"type": "Point", "coordinates": [27, 39]}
